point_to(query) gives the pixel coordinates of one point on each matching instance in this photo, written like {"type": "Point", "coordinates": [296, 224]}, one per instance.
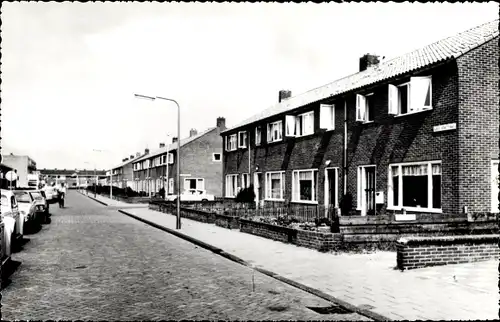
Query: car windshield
{"type": "Point", "coordinates": [22, 197]}
{"type": "Point", "coordinates": [36, 195]}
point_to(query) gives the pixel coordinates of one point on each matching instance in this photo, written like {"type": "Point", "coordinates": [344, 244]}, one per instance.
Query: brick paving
{"type": "Point", "coordinates": [94, 263]}
{"type": "Point", "coordinates": [462, 291]}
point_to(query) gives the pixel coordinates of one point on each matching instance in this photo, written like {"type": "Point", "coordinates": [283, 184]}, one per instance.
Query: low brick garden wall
{"type": "Point", "coordinates": [417, 252]}
{"type": "Point", "coordinates": [193, 214]}
{"type": "Point", "coordinates": [322, 241]}
{"type": "Point", "coordinates": [225, 221]}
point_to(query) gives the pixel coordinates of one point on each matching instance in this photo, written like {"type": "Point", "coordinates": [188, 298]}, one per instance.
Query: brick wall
{"type": "Point", "coordinates": [417, 252]}
{"type": "Point", "coordinates": [227, 221]}
{"type": "Point", "coordinates": [197, 215]}
{"type": "Point", "coordinates": [309, 152]}
{"type": "Point", "coordinates": [317, 240]}
{"type": "Point", "coordinates": [196, 160]}
{"type": "Point", "coordinates": [408, 138]}
{"type": "Point", "coordinates": [478, 124]}
{"type": "Point", "coordinates": [274, 232]}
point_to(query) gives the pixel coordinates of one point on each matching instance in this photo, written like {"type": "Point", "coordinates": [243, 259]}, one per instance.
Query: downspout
{"type": "Point", "coordinates": [345, 147]}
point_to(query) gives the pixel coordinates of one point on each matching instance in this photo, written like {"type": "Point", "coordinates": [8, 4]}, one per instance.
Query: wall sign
{"type": "Point", "coordinates": [445, 127]}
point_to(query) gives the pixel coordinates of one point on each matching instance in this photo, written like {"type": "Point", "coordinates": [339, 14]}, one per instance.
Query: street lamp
{"type": "Point", "coordinates": [151, 98]}
{"type": "Point", "coordinates": [110, 176]}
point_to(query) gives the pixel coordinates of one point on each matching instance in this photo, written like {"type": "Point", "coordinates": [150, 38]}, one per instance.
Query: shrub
{"type": "Point", "coordinates": [246, 195]}
{"type": "Point", "coordinates": [346, 204]}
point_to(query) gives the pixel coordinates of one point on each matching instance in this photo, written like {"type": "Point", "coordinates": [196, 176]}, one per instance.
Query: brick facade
{"type": "Point", "coordinates": [464, 93]}
{"type": "Point", "coordinates": [417, 252]}
{"type": "Point", "coordinates": [478, 123]}
{"type": "Point", "coordinates": [197, 162]}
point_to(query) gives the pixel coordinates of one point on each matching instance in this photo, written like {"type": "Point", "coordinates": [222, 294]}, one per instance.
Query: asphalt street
{"type": "Point", "coordinates": [94, 263]}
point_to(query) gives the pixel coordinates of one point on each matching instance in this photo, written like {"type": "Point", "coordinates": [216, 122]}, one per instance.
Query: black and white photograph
{"type": "Point", "coordinates": [330, 161]}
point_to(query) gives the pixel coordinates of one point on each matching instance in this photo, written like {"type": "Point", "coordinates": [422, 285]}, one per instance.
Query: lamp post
{"type": "Point", "coordinates": [151, 98]}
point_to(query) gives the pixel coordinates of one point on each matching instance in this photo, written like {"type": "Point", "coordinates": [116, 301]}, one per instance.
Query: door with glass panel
{"type": "Point", "coordinates": [366, 190]}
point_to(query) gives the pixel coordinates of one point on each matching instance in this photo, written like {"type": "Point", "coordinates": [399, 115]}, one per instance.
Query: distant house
{"type": "Point", "coordinates": [416, 133]}
{"type": "Point", "coordinates": [25, 167]}
{"type": "Point", "coordinates": [201, 164]}
{"type": "Point", "coordinates": [72, 177]}
{"type": "Point", "coordinates": [123, 174]}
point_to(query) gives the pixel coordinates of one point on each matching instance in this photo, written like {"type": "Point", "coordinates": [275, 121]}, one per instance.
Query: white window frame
{"type": "Point", "coordinates": [494, 186]}
{"type": "Point", "coordinates": [170, 158]}
{"type": "Point", "coordinates": [198, 180]}
{"type": "Point", "coordinates": [268, 186]}
{"type": "Point", "coordinates": [270, 131]}
{"type": "Point", "coordinates": [304, 116]}
{"type": "Point", "coordinates": [229, 178]}
{"type": "Point", "coordinates": [232, 142]}
{"type": "Point", "coordinates": [220, 157]}
{"type": "Point", "coordinates": [327, 117]}
{"type": "Point", "coordinates": [296, 186]}
{"type": "Point", "coordinates": [164, 159]}
{"type": "Point", "coordinates": [170, 186]}
{"type": "Point", "coordinates": [258, 135]}
{"type": "Point", "coordinates": [242, 142]}
{"type": "Point", "coordinates": [390, 194]}
{"type": "Point", "coordinates": [415, 89]}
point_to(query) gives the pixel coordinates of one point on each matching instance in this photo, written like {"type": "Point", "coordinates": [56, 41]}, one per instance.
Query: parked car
{"type": "Point", "coordinates": [12, 219]}
{"type": "Point", "coordinates": [42, 206]}
{"type": "Point", "coordinates": [27, 209]}
{"type": "Point", "coordinates": [192, 195]}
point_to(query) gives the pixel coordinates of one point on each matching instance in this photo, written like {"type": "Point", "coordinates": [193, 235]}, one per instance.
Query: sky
{"type": "Point", "coordinates": [70, 69]}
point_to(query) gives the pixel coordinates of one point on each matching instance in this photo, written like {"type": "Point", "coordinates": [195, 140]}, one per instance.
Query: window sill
{"type": "Point", "coordinates": [277, 141]}
{"type": "Point", "coordinates": [305, 202]}
{"type": "Point", "coordinates": [411, 113]}
{"type": "Point", "coordinates": [367, 122]}
{"type": "Point", "coordinates": [416, 209]}
{"type": "Point", "coordinates": [271, 199]}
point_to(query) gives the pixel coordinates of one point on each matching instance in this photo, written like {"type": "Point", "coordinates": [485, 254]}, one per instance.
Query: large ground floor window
{"type": "Point", "coordinates": [305, 185]}
{"type": "Point", "coordinates": [275, 185]}
{"type": "Point", "coordinates": [194, 183]}
{"type": "Point", "coordinates": [415, 186]}
{"type": "Point", "coordinates": [231, 185]}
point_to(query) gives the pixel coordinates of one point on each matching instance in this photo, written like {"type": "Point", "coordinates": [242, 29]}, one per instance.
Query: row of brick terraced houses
{"type": "Point", "coordinates": [418, 132]}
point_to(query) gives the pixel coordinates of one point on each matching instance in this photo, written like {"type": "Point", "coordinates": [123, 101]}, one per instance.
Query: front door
{"type": "Point", "coordinates": [367, 190]}
{"type": "Point", "coordinates": [257, 186]}
{"type": "Point", "coordinates": [331, 193]}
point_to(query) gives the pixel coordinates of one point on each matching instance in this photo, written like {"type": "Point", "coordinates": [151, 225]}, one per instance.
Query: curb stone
{"type": "Point", "coordinates": [99, 201]}
{"type": "Point", "coordinates": [361, 311]}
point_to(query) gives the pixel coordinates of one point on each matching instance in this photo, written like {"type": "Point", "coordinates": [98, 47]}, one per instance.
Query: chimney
{"type": "Point", "coordinates": [146, 151]}
{"type": "Point", "coordinates": [126, 159]}
{"type": "Point", "coordinates": [162, 145]}
{"type": "Point", "coordinates": [368, 61]}
{"type": "Point", "coordinates": [131, 157]}
{"type": "Point", "coordinates": [192, 132]}
{"type": "Point", "coordinates": [284, 94]}
{"type": "Point", "coordinates": [221, 123]}
{"type": "Point", "coordinates": [174, 139]}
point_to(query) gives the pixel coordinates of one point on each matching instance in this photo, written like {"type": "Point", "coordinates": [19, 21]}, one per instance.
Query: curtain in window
{"type": "Point", "coordinates": [415, 170]}
{"type": "Point", "coordinates": [309, 123]}
{"type": "Point", "coordinates": [436, 169]}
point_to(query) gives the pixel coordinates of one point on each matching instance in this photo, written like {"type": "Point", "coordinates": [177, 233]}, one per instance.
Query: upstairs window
{"type": "Point", "coordinates": [364, 108]}
{"type": "Point", "coordinates": [170, 158]}
{"type": "Point", "coordinates": [231, 142]}
{"type": "Point", "coordinates": [412, 97]}
{"type": "Point", "coordinates": [258, 135]}
{"type": "Point", "coordinates": [163, 159]}
{"type": "Point", "coordinates": [300, 125]}
{"type": "Point", "coordinates": [242, 139]}
{"type": "Point", "coordinates": [327, 117]}
{"type": "Point", "coordinates": [275, 131]}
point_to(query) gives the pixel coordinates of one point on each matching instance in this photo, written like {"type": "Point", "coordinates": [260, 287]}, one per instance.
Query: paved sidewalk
{"type": "Point", "coordinates": [453, 292]}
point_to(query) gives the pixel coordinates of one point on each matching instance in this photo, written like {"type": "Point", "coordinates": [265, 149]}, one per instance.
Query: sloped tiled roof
{"type": "Point", "coordinates": [70, 172]}
{"type": "Point", "coordinates": [173, 146]}
{"type": "Point", "coordinates": [442, 50]}
{"type": "Point", "coordinates": [128, 161]}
